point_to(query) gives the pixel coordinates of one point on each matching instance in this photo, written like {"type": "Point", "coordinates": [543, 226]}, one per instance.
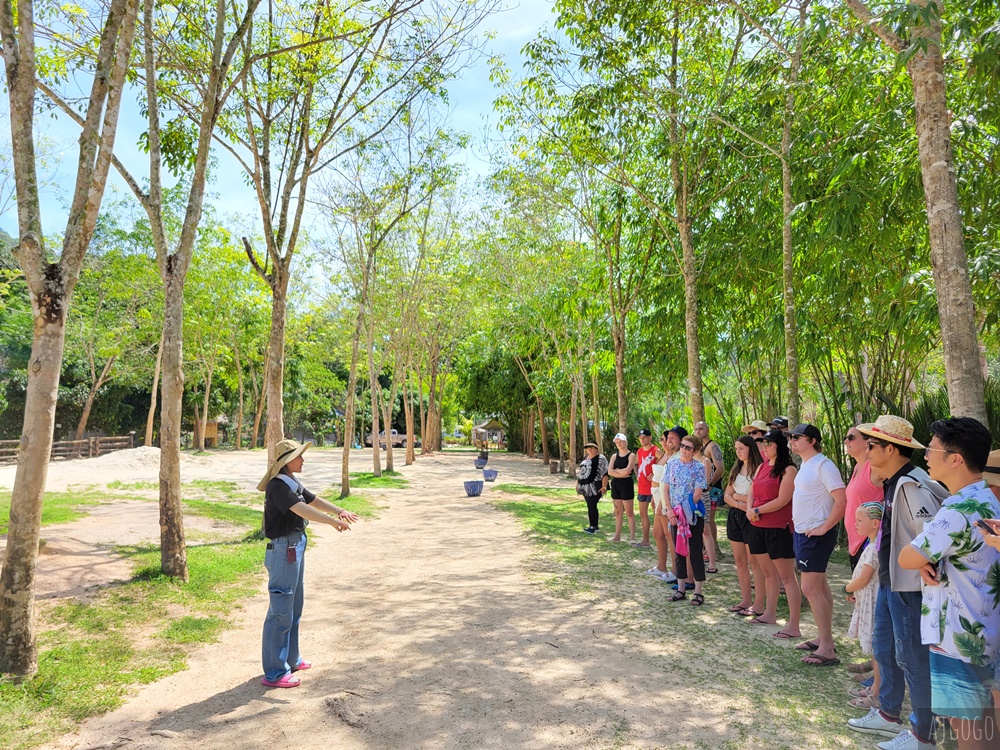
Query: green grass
{"type": "Point", "coordinates": [390, 480]}
{"type": "Point", "coordinates": [546, 492]}
{"type": "Point", "coordinates": [238, 515]}
{"type": "Point", "coordinates": [57, 507]}
{"type": "Point", "coordinates": [119, 485]}
{"type": "Point", "coordinates": [358, 502]}
{"type": "Point", "coordinates": [792, 704]}
{"type": "Point", "coordinates": [93, 654]}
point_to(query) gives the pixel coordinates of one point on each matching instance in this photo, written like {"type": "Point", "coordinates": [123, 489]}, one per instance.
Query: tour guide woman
{"type": "Point", "coordinates": [288, 508]}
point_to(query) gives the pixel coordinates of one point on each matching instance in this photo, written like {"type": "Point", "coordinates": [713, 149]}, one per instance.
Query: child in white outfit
{"type": "Point", "coordinates": [863, 590]}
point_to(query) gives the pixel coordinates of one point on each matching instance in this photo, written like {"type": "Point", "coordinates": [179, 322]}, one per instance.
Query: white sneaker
{"type": "Point", "coordinates": [873, 723]}
{"type": "Point", "coordinates": [670, 577]}
{"type": "Point", "coordinates": [905, 740]}
{"type": "Point", "coordinates": [654, 572]}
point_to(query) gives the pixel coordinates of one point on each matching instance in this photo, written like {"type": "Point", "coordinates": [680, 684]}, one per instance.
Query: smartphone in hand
{"type": "Point", "coordinates": [985, 527]}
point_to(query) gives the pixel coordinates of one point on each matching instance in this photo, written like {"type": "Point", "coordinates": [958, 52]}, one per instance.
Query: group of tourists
{"type": "Point", "coordinates": [924, 552]}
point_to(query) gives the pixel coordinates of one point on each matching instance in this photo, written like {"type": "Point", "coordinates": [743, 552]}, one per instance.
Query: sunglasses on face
{"type": "Point", "coordinates": [686, 447]}
{"type": "Point", "coordinates": [793, 438]}
{"type": "Point", "coordinates": [876, 444]}
{"type": "Point", "coordinates": [755, 432]}
{"type": "Point", "coordinates": [851, 438]}
{"type": "Point", "coordinates": [764, 443]}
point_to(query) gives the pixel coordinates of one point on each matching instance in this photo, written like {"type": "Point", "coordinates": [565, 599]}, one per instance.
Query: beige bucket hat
{"type": "Point", "coordinates": [891, 429]}
{"type": "Point", "coordinates": [284, 452]}
{"type": "Point", "coordinates": [757, 424]}
{"type": "Point", "coordinates": [992, 471]}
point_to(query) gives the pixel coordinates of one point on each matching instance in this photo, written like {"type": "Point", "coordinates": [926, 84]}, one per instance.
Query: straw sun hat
{"type": "Point", "coordinates": [284, 453]}
{"type": "Point", "coordinates": [891, 429]}
{"type": "Point", "coordinates": [992, 472]}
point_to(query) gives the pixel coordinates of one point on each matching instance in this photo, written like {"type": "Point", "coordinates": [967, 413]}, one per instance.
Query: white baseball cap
{"type": "Point", "coordinates": [621, 436]}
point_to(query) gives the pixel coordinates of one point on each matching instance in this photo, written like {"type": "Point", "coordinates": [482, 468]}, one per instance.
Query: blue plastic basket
{"type": "Point", "coordinates": [489, 474]}
{"type": "Point", "coordinates": [481, 463]}
{"type": "Point", "coordinates": [474, 488]}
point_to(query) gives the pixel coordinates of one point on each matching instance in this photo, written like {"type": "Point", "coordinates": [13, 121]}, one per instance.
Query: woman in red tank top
{"type": "Point", "coordinates": [770, 513]}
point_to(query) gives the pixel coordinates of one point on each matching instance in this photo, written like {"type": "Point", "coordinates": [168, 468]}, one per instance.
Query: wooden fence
{"type": "Point", "coordinates": [88, 448]}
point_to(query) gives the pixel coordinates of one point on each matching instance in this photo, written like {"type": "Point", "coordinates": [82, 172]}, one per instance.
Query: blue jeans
{"type": "Point", "coordinates": [903, 661]}
{"type": "Point", "coordinates": [280, 641]}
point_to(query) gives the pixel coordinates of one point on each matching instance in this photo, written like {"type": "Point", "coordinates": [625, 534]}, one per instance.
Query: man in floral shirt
{"type": "Point", "coordinates": [960, 618]}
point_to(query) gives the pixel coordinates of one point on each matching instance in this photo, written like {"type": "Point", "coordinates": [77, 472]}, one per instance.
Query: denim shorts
{"type": "Point", "coordinates": [644, 498]}
{"type": "Point", "coordinates": [958, 689]}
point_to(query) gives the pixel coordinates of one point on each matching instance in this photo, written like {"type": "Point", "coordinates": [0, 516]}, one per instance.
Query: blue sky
{"type": "Point", "coordinates": [471, 98]}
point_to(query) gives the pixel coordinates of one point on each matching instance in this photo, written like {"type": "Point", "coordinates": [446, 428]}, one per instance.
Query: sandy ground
{"type": "Point", "coordinates": [425, 631]}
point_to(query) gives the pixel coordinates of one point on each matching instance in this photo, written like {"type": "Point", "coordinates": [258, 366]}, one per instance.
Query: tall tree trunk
{"type": "Point", "coordinates": [423, 412]}
{"type": "Point", "coordinates": [387, 421]}
{"type": "Point", "coordinates": [618, 339]}
{"type": "Point", "coordinates": [572, 428]}
{"type": "Point", "coordinates": [529, 433]}
{"type": "Point", "coordinates": [18, 649]}
{"type": "Point", "coordinates": [204, 417]}
{"type": "Point", "coordinates": [581, 388]}
{"type": "Point", "coordinates": [544, 435]}
{"type": "Point", "coordinates": [411, 453]}
{"type": "Point", "coordinates": [695, 388]}
{"type": "Point", "coordinates": [956, 311]}
{"type": "Point", "coordinates": [949, 262]}
{"type": "Point", "coordinates": [239, 386]}
{"type": "Point", "coordinates": [433, 438]}
{"type": "Point", "coordinates": [173, 552]}
{"type": "Point", "coordinates": [81, 426]}
{"type": "Point", "coordinates": [276, 373]}
{"type": "Point", "coordinates": [787, 245]}
{"type": "Point", "coordinates": [372, 386]}
{"type": "Point", "coordinates": [559, 437]}
{"type": "Point", "coordinates": [678, 176]}
{"type": "Point", "coordinates": [261, 403]}
{"type": "Point", "coordinates": [595, 395]}
{"type": "Point", "coordinates": [152, 397]}
{"type": "Point", "coordinates": [50, 288]}
{"type": "Point", "coordinates": [350, 409]}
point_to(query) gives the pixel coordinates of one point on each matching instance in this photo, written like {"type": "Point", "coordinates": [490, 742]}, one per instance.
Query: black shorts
{"type": "Point", "coordinates": [775, 543]}
{"type": "Point", "coordinates": [812, 553]}
{"type": "Point", "coordinates": [622, 490]}
{"type": "Point", "coordinates": [737, 526]}
{"type": "Point", "coordinates": [644, 498]}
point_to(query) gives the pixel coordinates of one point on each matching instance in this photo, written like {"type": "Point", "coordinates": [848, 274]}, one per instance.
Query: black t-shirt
{"type": "Point", "coordinates": [279, 520]}
{"type": "Point", "coordinates": [885, 544]}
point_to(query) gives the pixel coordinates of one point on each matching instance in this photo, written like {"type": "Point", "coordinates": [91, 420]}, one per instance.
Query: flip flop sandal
{"type": "Point", "coordinates": [807, 646]}
{"type": "Point", "coordinates": [758, 621]}
{"type": "Point", "coordinates": [285, 681]}
{"type": "Point", "coordinates": [737, 608]}
{"type": "Point", "coordinates": [303, 665]}
{"type": "Point", "coordinates": [697, 600]}
{"type": "Point", "coordinates": [864, 703]}
{"type": "Point", "coordinates": [815, 660]}
{"type": "Point", "coordinates": [749, 613]}
{"type": "Point", "coordinates": [678, 595]}
{"type": "Point", "coordinates": [782, 635]}
{"type": "Point", "coordinates": [712, 570]}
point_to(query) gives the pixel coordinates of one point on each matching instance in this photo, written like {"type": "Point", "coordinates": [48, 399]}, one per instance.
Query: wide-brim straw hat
{"type": "Point", "coordinates": [284, 453]}
{"type": "Point", "coordinates": [757, 424]}
{"type": "Point", "coordinates": [992, 471]}
{"type": "Point", "coordinates": [891, 429]}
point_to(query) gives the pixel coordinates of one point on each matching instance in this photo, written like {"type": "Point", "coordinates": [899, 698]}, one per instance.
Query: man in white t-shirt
{"type": "Point", "coordinates": [818, 503]}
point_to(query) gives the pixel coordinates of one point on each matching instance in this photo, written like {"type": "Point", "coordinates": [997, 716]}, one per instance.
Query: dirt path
{"type": "Point", "coordinates": [426, 632]}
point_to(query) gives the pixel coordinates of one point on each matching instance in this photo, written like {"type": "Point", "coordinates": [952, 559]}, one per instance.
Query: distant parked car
{"type": "Point", "coordinates": [398, 441]}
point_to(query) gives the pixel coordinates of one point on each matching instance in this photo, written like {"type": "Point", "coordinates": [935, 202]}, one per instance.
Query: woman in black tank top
{"type": "Point", "coordinates": [622, 474]}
